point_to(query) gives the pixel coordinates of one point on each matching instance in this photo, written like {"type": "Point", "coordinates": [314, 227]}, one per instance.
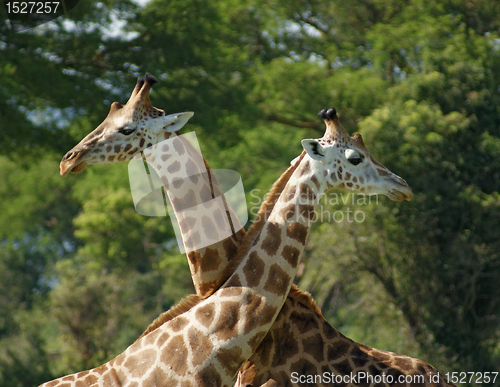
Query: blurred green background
{"type": "Point", "coordinates": [82, 274]}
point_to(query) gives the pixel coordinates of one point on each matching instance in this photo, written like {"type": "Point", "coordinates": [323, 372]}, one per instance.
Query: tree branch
{"type": "Point", "coordinates": [316, 125]}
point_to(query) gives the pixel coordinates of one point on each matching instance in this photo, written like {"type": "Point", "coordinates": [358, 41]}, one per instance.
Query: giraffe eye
{"type": "Point", "coordinates": [353, 157]}
{"type": "Point", "coordinates": [126, 131]}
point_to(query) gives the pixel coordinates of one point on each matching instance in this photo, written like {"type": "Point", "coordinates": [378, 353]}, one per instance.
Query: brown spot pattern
{"type": "Point", "coordinates": [306, 211]}
{"type": "Point", "coordinates": [289, 192]}
{"type": "Point", "coordinates": [314, 346]}
{"type": "Point", "coordinates": [139, 363]}
{"type": "Point", "coordinates": [211, 260]}
{"type": "Point", "coordinates": [229, 247]}
{"type": "Point", "coordinates": [208, 376]}
{"type": "Point", "coordinates": [178, 146]}
{"type": "Point", "coordinates": [253, 269]}
{"type": "Point", "coordinates": [227, 323]}
{"type": "Point", "coordinates": [257, 313]}
{"type": "Point", "coordinates": [191, 168]}
{"type": "Point", "coordinates": [298, 232]}
{"type": "Point", "coordinates": [157, 378]}
{"type": "Point", "coordinates": [329, 331]}
{"type": "Point", "coordinates": [359, 358]}
{"type": "Point", "coordinates": [230, 359]}
{"type": "Point", "coordinates": [178, 323]}
{"type": "Point", "coordinates": [205, 315]}
{"type": "Point", "coordinates": [379, 355]}
{"type": "Point", "coordinates": [316, 182]}
{"type": "Point", "coordinates": [278, 280]}
{"type": "Point", "coordinates": [209, 228]}
{"type": "Point", "coordinates": [303, 367]}
{"type": "Point", "coordinates": [288, 211]}
{"type": "Point", "coordinates": [174, 167]}
{"type": "Point", "coordinates": [200, 344]}
{"type": "Point", "coordinates": [177, 183]}
{"type": "Point", "coordinates": [305, 322]}
{"type": "Point", "coordinates": [256, 339]}
{"type": "Point", "coordinates": [383, 172]}
{"type": "Point", "coordinates": [188, 201]}
{"type": "Point", "coordinates": [162, 338]}
{"type": "Point", "coordinates": [305, 168]}
{"type": "Point", "coordinates": [272, 241]}
{"type": "Point", "coordinates": [286, 347]}
{"type": "Point", "coordinates": [291, 254]}
{"type": "Point", "coordinates": [175, 355]}
{"type": "Point", "coordinates": [265, 349]}
{"type": "Point", "coordinates": [306, 194]}
{"type": "Point", "coordinates": [404, 363]}
{"type": "Point", "coordinates": [187, 224]}
{"type": "Point", "coordinates": [338, 350]}
{"type": "Point", "coordinates": [205, 195]}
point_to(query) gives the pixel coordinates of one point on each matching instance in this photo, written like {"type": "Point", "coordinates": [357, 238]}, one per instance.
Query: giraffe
{"type": "Point", "coordinates": [294, 295]}
{"type": "Point", "coordinates": [208, 342]}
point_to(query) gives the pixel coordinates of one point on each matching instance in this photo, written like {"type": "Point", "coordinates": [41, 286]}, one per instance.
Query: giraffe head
{"type": "Point", "coordinates": [127, 130]}
{"type": "Point", "coordinates": [347, 164]}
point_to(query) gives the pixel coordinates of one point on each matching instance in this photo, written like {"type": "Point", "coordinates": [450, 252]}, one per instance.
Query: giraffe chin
{"type": "Point", "coordinates": [399, 195]}
{"type": "Point", "coordinates": [64, 169]}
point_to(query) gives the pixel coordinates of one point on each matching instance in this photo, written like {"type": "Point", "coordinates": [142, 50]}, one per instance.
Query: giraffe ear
{"type": "Point", "coordinates": [314, 149]}
{"type": "Point", "coordinates": [174, 122]}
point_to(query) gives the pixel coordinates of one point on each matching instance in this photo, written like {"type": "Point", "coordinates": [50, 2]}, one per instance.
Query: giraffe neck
{"type": "Point", "coordinates": [210, 231]}
{"type": "Point", "coordinates": [211, 341]}
{"type": "Point", "coordinates": [250, 300]}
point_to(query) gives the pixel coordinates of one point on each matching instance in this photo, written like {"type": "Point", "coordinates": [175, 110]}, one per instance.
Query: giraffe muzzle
{"type": "Point", "coordinates": [71, 162]}
{"type": "Point", "coordinates": [402, 190]}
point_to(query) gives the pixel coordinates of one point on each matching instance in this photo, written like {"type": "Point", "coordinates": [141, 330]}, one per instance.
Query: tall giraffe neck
{"type": "Point", "coordinates": [201, 211]}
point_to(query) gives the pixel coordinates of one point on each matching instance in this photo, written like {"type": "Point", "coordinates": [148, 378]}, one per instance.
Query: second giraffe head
{"type": "Point", "coordinates": [344, 162]}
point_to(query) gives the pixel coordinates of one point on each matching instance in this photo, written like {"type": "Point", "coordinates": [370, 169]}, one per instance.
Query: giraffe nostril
{"type": "Point", "coordinates": [70, 155]}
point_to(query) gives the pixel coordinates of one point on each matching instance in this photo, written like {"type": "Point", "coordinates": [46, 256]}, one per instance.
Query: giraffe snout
{"type": "Point", "coordinates": [401, 190]}
{"type": "Point", "coordinates": [72, 162]}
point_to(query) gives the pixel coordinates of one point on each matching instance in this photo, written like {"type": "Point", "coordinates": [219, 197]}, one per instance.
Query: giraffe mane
{"type": "Point", "coordinates": [192, 300]}
{"type": "Point", "coordinates": [305, 299]}
{"type": "Point", "coordinates": [180, 308]}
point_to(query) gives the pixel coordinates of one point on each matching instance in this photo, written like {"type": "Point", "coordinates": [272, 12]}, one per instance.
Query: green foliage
{"type": "Point", "coordinates": [82, 274]}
